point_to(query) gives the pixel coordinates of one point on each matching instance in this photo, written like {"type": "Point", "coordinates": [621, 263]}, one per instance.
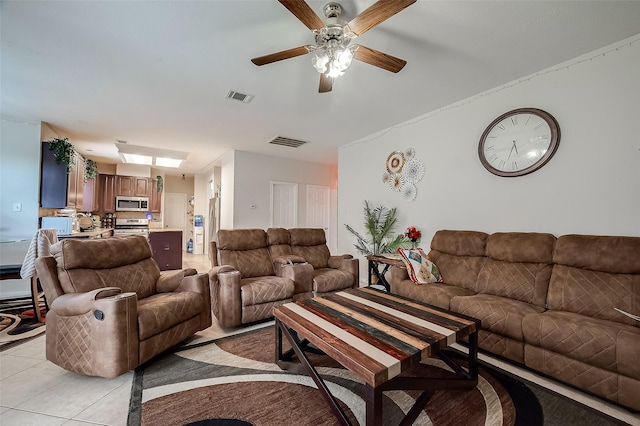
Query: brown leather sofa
{"type": "Point", "coordinates": [245, 285]}
{"type": "Point", "coordinates": [255, 270]}
{"type": "Point", "coordinates": [330, 273]}
{"type": "Point", "coordinates": [546, 303]}
{"type": "Point", "coordinates": [110, 307]}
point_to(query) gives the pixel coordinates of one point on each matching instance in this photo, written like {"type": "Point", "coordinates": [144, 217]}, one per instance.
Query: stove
{"type": "Point", "coordinates": [126, 227]}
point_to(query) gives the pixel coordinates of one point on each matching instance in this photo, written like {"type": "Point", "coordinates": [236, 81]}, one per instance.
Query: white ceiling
{"type": "Point", "coordinates": [156, 73]}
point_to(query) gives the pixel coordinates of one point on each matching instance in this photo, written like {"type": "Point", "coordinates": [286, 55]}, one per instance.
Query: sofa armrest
{"type": "Point", "coordinates": [72, 304]}
{"type": "Point", "coordinates": [336, 262]}
{"type": "Point", "coordinates": [290, 260]}
{"type": "Point", "coordinates": [104, 341]}
{"type": "Point", "coordinates": [301, 273]}
{"type": "Point", "coordinates": [226, 301]}
{"type": "Point", "coordinates": [170, 281]}
{"type": "Point", "coordinates": [398, 274]}
{"type": "Point", "coordinates": [199, 283]}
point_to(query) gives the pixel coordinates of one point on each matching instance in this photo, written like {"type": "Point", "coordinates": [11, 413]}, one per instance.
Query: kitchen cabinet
{"type": "Point", "coordinates": [75, 185]}
{"type": "Point", "coordinates": [107, 193]}
{"type": "Point", "coordinates": [57, 188]}
{"type": "Point", "coordinates": [155, 197]}
{"type": "Point", "coordinates": [53, 180]}
{"type": "Point", "coordinates": [167, 249]}
{"type": "Point", "coordinates": [132, 186]}
{"type": "Point", "coordinates": [91, 196]}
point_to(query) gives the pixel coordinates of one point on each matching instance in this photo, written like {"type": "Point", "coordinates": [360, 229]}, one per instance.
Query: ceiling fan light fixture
{"type": "Point", "coordinates": [333, 62]}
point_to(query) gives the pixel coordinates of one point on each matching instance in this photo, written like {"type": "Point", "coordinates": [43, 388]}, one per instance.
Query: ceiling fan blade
{"type": "Point", "coordinates": [326, 84]}
{"type": "Point", "coordinates": [304, 13]}
{"type": "Point", "coordinates": [379, 59]}
{"type": "Point", "coordinates": [378, 12]}
{"type": "Point", "coordinates": [279, 56]}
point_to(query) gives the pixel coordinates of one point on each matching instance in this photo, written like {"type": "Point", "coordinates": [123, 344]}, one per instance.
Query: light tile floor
{"type": "Point", "coordinates": [33, 391]}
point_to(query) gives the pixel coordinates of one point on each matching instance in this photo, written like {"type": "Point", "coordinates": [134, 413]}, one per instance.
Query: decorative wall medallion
{"type": "Point", "coordinates": [414, 170]}
{"type": "Point", "coordinates": [397, 182]}
{"type": "Point", "coordinates": [395, 162]}
{"type": "Point", "coordinates": [409, 191]}
{"type": "Point", "coordinates": [403, 172]}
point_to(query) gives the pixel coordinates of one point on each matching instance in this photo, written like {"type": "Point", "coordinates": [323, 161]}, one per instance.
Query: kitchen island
{"type": "Point", "coordinates": [166, 245]}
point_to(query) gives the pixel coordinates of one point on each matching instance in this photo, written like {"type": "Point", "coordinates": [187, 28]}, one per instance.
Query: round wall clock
{"type": "Point", "coordinates": [519, 142]}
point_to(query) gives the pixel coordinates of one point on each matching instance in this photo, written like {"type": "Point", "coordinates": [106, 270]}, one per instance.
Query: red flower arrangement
{"type": "Point", "coordinates": [413, 234]}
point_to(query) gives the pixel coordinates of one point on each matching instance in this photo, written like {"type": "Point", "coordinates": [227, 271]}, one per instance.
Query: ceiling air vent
{"type": "Point", "coordinates": [292, 143]}
{"type": "Point", "coordinates": [237, 96]}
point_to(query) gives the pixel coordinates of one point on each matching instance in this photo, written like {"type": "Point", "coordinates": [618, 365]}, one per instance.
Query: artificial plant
{"type": "Point", "coordinates": [379, 223]}
{"type": "Point", "coordinates": [90, 169]}
{"type": "Point", "coordinates": [63, 152]}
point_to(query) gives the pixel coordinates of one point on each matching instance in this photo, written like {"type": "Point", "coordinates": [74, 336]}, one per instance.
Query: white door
{"type": "Point", "coordinates": [318, 207]}
{"type": "Point", "coordinates": [175, 214]}
{"type": "Point", "coordinates": [284, 205]}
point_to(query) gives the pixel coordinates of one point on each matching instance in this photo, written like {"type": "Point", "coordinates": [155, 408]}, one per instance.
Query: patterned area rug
{"type": "Point", "coordinates": [234, 381]}
{"type": "Point", "coordinates": [18, 325]}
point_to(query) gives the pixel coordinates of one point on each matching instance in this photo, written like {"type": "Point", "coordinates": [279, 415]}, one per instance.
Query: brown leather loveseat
{"type": "Point", "coordinates": [255, 270]}
{"type": "Point", "coordinates": [110, 307]}
{"type": "Point", "coordinates": [545, 302]}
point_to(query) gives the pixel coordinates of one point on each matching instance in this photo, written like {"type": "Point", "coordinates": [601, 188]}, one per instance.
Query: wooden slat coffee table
{"type": "Point", "coordinates": [378, 336]}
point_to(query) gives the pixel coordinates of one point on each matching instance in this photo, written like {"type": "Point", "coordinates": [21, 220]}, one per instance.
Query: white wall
{"type": "Point", "coordinates": [19, 183]}
{"type": "Point", "coordinates": [227, 185]}
{"type": "Point", "coordinates": [590, 186]}
{"type": "Point", "coordinates": [252, 176]}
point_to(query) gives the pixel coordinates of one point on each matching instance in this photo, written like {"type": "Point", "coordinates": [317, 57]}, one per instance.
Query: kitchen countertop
{"type": "Point", "coordinates": [88, 234]}
{"type": "Point", "coordinates": [165, 230]}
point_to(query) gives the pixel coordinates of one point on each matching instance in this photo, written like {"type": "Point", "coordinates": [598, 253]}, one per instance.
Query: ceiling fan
{"type": "Point", "coordinates": [332, 52]}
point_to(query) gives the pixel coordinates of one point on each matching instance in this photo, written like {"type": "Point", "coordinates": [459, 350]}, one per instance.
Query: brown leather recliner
{"type": "Point", "coordinates": [110, 307]}
{"type": "Point", "coordinates": [330, 273]}
{"type": "Point", "coordinates": [245, 285]}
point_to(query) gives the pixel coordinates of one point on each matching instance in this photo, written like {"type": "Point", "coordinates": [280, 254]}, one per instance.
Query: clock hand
{"type": "Point", "coordinates": [515, 146]}
{"type": "Point", "coordinates": [510, 152]}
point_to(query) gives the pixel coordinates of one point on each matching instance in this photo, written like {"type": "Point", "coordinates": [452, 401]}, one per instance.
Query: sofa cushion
{"type": "Point", "coordinates": [126, 263]}
{"type": "Point", "coordinates": [246, 250]}
{"type": "Point", "coordinates": [326, 280]}
{"type": "Point", "coordinates": [595, 274]}
{"type": "Point", "coordinates": [162, 311]}
{"type": "Point", "coordinates": [420, 269]}
{"type": "Point", "coordinates": [499, 315]}
{"type": "Point", "coordinates": [518, 266]}
{"type": "Point", "coordinates": [434, 294]}
{"type": "Point", "coordinates": [459, 256]}
{"type": "Point", "coordinates": [605, 344]}
{"type": "Point", "coordinates": [311, 244]}
{"type": "Point", "coordinates": [255, 291]}
{"type": "Point", "coordinates": [279, 242]}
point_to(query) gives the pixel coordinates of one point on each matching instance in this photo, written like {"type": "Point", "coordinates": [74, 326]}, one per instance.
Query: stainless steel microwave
{"type": "Point", "coordinates": [132, 204]}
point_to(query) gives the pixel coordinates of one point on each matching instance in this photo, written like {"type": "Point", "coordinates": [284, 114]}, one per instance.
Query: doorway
{"type": "Point", "coordinates": [284, 205]}
{"type": "Point", "coordinates": [318, 208]}
{"type": "Point", "coordinates": [175, 214]}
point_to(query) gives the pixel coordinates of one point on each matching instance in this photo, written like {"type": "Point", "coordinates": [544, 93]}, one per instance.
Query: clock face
{"type": "Point", "coordinates": [519, 142]}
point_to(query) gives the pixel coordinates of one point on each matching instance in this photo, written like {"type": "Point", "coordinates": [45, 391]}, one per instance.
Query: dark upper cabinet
{"type": "Point", "coordinates": [53, 181]}
{"type": "Point", "coordinates": [59, 189]}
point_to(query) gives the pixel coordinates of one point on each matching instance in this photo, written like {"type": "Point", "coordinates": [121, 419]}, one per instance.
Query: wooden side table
{"type": "Point", "coordinates": [388, 260]}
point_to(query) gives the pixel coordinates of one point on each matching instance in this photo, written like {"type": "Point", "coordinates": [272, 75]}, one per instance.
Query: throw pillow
{"type": "Point", "coordinates": [421, 270]}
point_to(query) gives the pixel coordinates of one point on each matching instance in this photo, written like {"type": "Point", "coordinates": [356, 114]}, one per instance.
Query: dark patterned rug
{"type": "Point", "coordinates": [18, 324]}
{"type": "Point", "coordinates": [234, 381]}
